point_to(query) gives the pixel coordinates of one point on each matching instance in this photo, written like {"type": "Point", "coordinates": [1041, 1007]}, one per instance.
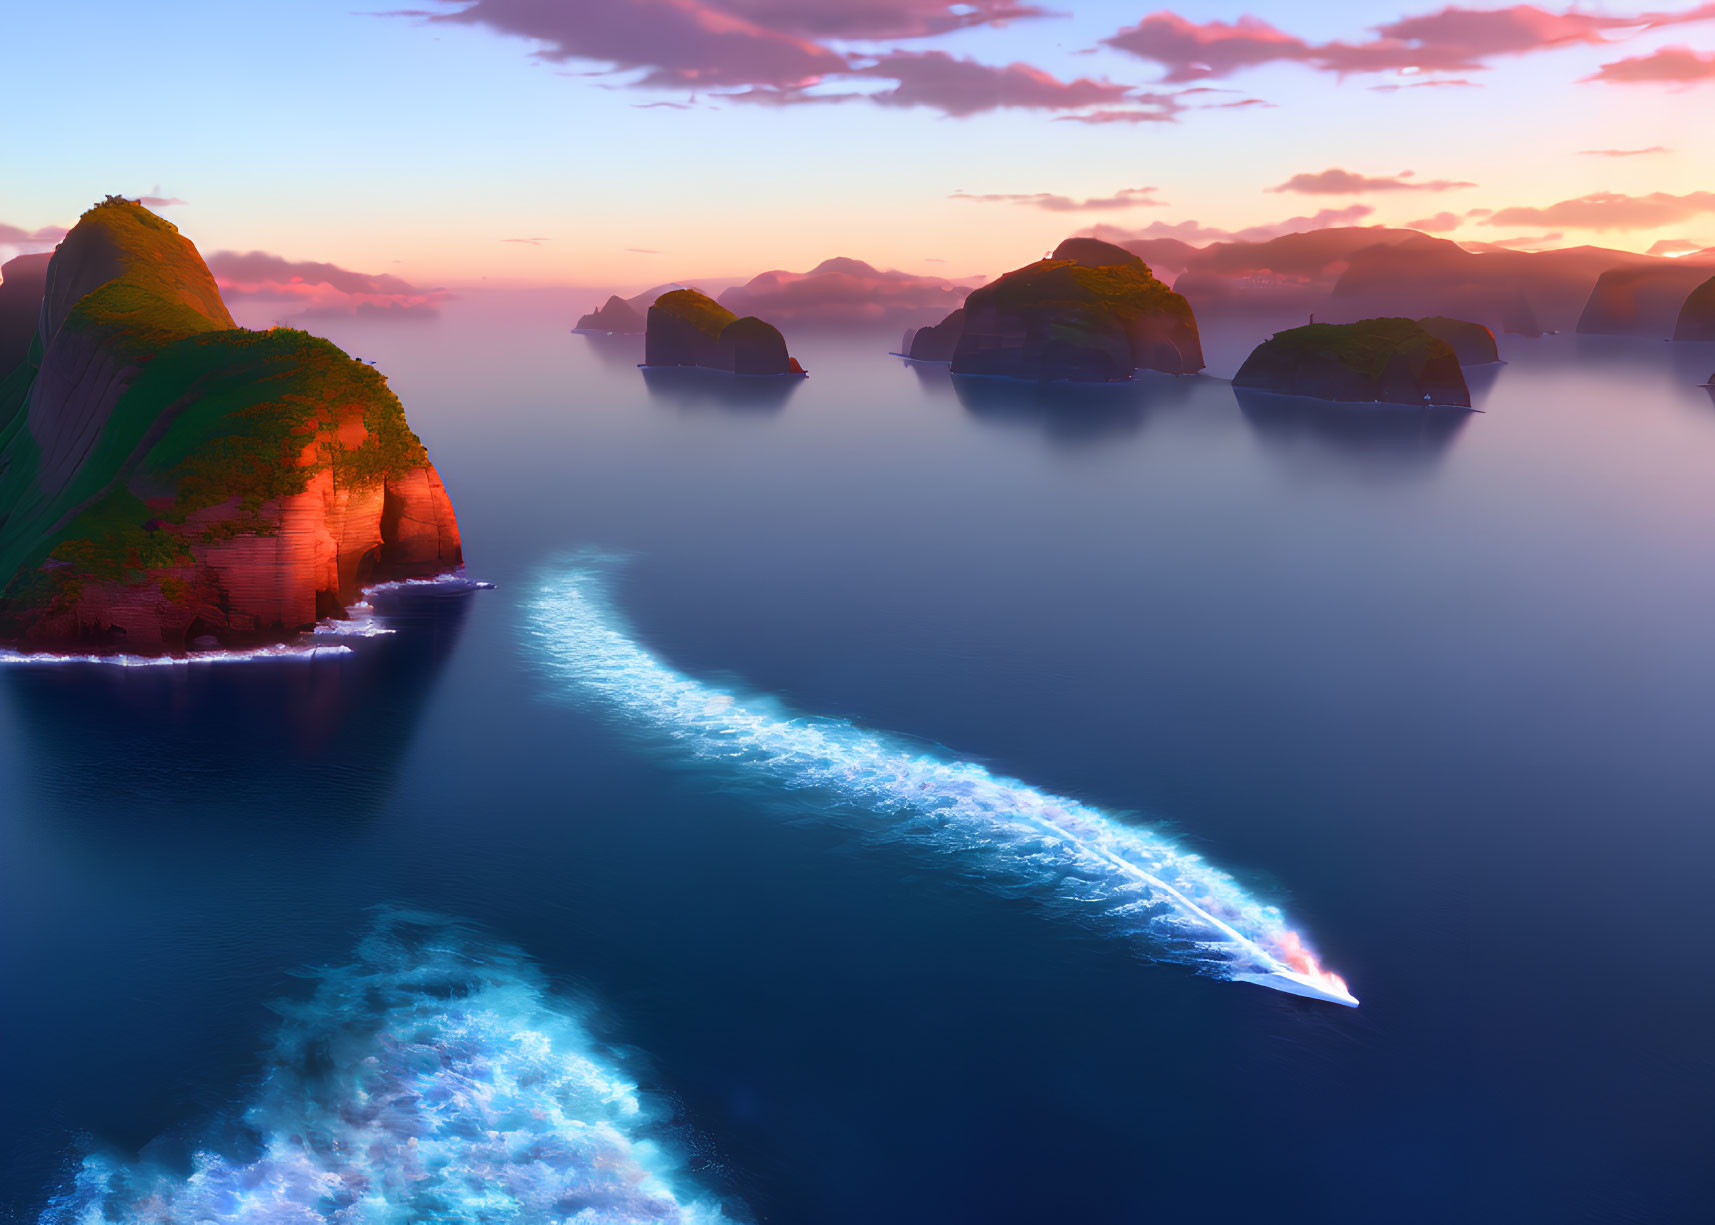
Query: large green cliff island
{"type": "Point", "coordinates": [168, 479]}
{"type": "Point", "coordinates": [688, 328]}
{"type": "Point", "coordinates": [1090, 312]}
{"type": "Point", "coordinates": [1389, 361]}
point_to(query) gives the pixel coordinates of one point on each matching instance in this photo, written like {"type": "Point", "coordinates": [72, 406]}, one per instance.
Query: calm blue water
{"type": "Point", "coordinates": [1441, 688]}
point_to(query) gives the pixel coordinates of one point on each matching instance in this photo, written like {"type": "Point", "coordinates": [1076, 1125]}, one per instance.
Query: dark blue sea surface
{"type": "Point", "coordinates": [1441, 686]}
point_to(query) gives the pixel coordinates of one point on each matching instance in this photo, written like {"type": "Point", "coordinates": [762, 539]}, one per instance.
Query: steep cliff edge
{"type": "Point", "coordinates": [938, 342]}
{"type": "Point", "coordinates": [688, 328]}
{"type": "Point", "coordinates": [22, 281]}
{"type": "Point", "coordinates": [166, 477]}
{"type": "Point", "coordinates": [1389, 361]}
{"type": "Point", "coordinates": [1091, 312]}
{"type": "Point", "coordinates": [1697, 317]}
{"type": "Point", "coordinates": [1639, 301]}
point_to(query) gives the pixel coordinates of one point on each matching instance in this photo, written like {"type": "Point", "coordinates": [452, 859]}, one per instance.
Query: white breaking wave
{"type": "Point", "coordinates": [323, 642]}
{"type": "Point", "coordinates": [433, 1079]}
{"type": "Point", "coordinates": [1138, 880]}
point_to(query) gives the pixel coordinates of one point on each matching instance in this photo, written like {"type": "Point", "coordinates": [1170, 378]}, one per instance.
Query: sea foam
{"type": "Point", "coordinates": [1124, 876]}
{"type": "Point", "coordinates": [434, 1078]}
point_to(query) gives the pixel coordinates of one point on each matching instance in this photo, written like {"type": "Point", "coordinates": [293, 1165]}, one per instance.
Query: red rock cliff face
{"type": "Point", "coordinates": [169, 480]}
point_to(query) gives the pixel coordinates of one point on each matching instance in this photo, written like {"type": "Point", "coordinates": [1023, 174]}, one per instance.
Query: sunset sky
{"type": "Point", "coordinates": [627, 142]}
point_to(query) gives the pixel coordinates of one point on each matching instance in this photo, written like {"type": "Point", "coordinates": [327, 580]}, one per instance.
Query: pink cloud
{"type": "Point", "coordinates": [1196, 232]}
{"type": "Point", "coordinates": [1451, 39]}
{"type": "Point", "coordinates": [1151, 114]}
{"type": "Point", "coordinates": [1534, 242]}
{"type": "Point", "coordinates": [1675, 247]}
{"type": "Point", "coordinates": [1192, 52]}
{"type": "Point", "coordinates": [965, 87]}
{"type": "Point", "coordinates": [1130, 197]}
{"type": "Point", "coordinates": [1624, 152]}
{"type": "Point", "coordinates": [877, 19]}
{"type": "Point", "coordinates": [318, 288]}
{"type": "Point", "coordinates": [1670, 65]}
{"type": "Point", "coordinates": [676, 42]}
{"type": "Point", "coordinates": [1441, 223]}
{"type": "Point", "coordinates": [20, 239]}
{"type": "Point", "coordinates": [1609, 210]}
{"type": "Point", "coordinates": [1431, 83]}
{"type": "Point", "coordinates": [770, 52]}
{"type": "Point", "coordinates": [1335, 182]}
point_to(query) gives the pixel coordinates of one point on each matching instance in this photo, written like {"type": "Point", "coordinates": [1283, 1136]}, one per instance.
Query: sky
{"type": "Point", "coordinates": [623, 143]}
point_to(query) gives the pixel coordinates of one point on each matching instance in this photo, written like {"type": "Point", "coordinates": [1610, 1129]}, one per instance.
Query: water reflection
{"type": "Point", "coordinates": [1481, 381]}
{"type": "Point", "coordinates": [690, 389]}
{"type": "Point", "coordinates": [616, 350]}
{"type": "Point", "coordinates": [932, 377]}
{"type": "Point", "coordinates": [1372, 439]}
{"type": "Point", "coordinates": [202, 744]}
{"type": "Point", "coordinates": [1068, 413]}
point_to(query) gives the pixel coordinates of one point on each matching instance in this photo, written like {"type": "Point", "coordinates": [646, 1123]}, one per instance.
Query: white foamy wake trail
{"type": "Point", "coordinates": [433, 1079]}
{"type": "Point", "coordinates": [1136, 880]}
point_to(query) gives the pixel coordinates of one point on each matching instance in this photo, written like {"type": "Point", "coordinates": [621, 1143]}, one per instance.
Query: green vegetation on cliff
{"type": "Point", "coordinates": [163, 292]}
{"type": "Point", "coordinates": [1366, 347]}
{"type": "Point", "coordinates": [699, 310]}
{"type": "Point", "coordinates": [1091, 312]}
{"type": "Point", "coordinates": [206, 415]}
{"type": "Point", "coordinates": [1394, 361]}
{"type": "Point", "coordinates": [1077, 291]}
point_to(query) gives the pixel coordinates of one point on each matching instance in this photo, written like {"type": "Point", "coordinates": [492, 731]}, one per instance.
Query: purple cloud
{"type": "Point", "coordinates": [877, 19]}
{"type": "Point", "coordinates": [30, 240]}
{"type": "Point", "coordinates": [1196, 232]}
{"type": "Point", "coordinates": [1624, 152]}
{"type": "Point", "coordinates": [677, 43]}
{"type": "Point", "coordinates": [965, 87]}
{"type": "Point", "coordinates": [1130, 197]}
{"type": "Point", "coordinates": [1336, 182]}
{"type": "Point", "coordinates": [1670, 65]}
{"type": "Point", "coordinates": [1451, 39]}
{"type": "Point", "coordinates": [1611, 210]}
{"type": "Point", "coordinates": [318, 288]}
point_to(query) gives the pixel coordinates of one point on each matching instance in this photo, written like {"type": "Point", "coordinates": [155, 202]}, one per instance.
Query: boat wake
{"type": "Point", "coordinates": [433, 1079]}
{"type": "Point", "coordinates": [1136, 881]}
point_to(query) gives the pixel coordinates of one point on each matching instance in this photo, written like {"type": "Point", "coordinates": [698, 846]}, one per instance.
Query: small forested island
{"type": "Point", "coordinates": [1472, 343]}
{"type": "Point", "coordinates": [1697, 317]}
{"type": "Point", "coordinates": [1388, 361]}
{"type": "Point", "coordinates": [1090, 312]}
{"type": "Point", "coordinates": [616, 315]}
{"type": "Point", "coordinates": [170, 480]}
{"type": "Point", "coordinates": [688, 328]}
